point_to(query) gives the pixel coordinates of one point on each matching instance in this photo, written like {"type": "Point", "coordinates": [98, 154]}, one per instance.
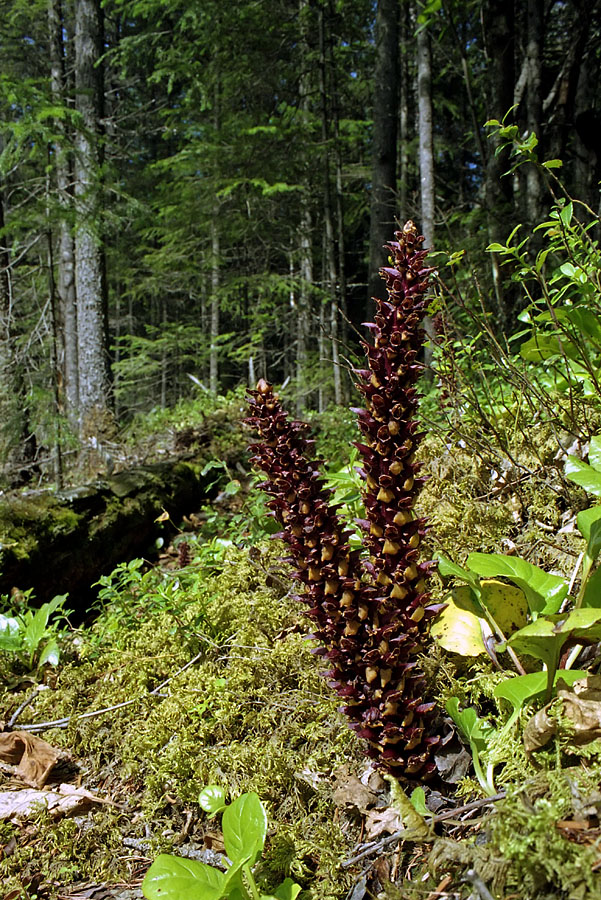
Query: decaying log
{"type": "Point", "coordinates": [62, 542]}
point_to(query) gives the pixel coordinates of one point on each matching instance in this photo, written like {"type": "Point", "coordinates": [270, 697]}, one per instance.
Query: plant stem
{"type": "Point", "coordinates": [251, 882]}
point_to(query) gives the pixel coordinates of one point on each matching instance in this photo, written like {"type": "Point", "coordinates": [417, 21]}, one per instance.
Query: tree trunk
{"type": "Point", "coordinates": [65, 280]}
{"type": "Point", "coordinates": [303, 303]}
{"type": "Point", "coordinates": [75, 536]}
{"type": "Point", "coordinates": [426, 145]}
{"type": "Point", "coordinates": [214, 348]}
{"type": "Point", "coordinates": [534, 103]}
{"type": "Point", "coordinates": [305, 232]}
{"type": "Point", "coordinates": [404, 112]}
{"type": "Point", "coordinates": [94, 377]}
{"type": "Point", "coordinates": [499, 43]}
{"type": "Point", "coordinates": [330, 245]}
{"type": "Point", "coordinates": [385, 114]}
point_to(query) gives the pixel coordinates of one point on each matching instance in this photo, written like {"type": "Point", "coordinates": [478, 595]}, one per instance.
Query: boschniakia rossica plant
{"type": "Point", "coordinates": [370, 615]}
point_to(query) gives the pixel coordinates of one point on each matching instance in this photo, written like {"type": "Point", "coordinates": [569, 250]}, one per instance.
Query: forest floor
{"type": "Point", "coordinates": [198, 670]}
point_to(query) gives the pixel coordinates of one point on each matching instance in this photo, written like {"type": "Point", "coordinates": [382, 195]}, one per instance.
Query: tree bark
{"type": "Point", "coordinates": [426, 163]}
{"type": "Point", "coordinates": [214, 347]}
{"type": "Point", "coordinates": [426, 145]}
{"type": "Point", "coordinates": [534, 103]}
{"type": "Point", "coordinates": [385, 117]}
{"type": "Point", "coordinates": [499, 44]}
{"type": "Point", "coordinates": [65, 280]}
{"type": "Point", "coordinates": [330, 244]}
{"type": "Point", "coordinates": [94, 375]}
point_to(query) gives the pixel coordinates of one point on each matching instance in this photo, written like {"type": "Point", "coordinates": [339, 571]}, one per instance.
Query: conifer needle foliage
{"type": "Point", "coordinates": [370, 615]}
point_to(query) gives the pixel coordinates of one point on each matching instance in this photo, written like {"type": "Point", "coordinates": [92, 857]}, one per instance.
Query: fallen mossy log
{"type": "Point", "coordinates": [61, 542]}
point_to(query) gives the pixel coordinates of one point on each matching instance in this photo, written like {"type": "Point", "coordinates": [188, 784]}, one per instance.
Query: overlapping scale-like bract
{"type": "Point", "coordinates": [370, 616]}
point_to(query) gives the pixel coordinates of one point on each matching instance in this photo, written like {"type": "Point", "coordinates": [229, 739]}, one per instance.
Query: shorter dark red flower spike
{"type": "Point", "coordinates": [370, 616]}
{"type": "Point", "coordinates": [327, 566]}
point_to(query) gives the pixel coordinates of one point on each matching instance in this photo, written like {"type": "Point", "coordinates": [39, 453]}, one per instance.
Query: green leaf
{"type": "Point", "coordinates": [540, 640]}
{"type": "Point", "coordinates": [565, 214]}
{"type": "Point", "coordinates": [580, 623]}
{"type": "Point", "coordinates": [10, 633]}
{"type": "Point", "coordinates": [35, 629]}
{"type": "Point", "coordinates": [288, 890]}
{"type": "Point", "coordinates": [584, 475]}
{"type": "Point", "coordinates": [174, 878]}
{"type": "Point", "coordinates": [448, 569]}
{"type": "Point", "coordinates": [244, 826]}
{"type": "Point", "coordinates": [544, 592]}
{"type": "Point", "coordinates": [589, 526]}
{"type": "Point", "coordinates": [212, 799]}
{"type": "Point", "coordinates": [50, 654]}
{"type": "Point", "coordinates": [553, 164]}
{"type": "Point", "coordinates": [418, 801]}
{"type": "Point", "coordinates": [526, 687]}
{"type": "Point", "coordinates": [592, 592]}
{"type": "Point", "coordinates": [476, 730]}
{"type": "Point", "coordinates": [594, 452]}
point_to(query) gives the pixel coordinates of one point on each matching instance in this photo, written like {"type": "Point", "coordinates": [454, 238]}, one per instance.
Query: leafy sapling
{"type": "Point", "coordinates": [244, 826]}
{"type": "Point", "coordinates": [31, 635]}
{"type": "Point", "coordinates": [525, 617]}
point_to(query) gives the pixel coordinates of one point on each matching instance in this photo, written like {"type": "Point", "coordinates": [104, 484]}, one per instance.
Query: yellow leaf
{"type": "Point", "coordinates": [458, 627]}
{"type": "Point", "coordinates": [506, 603]}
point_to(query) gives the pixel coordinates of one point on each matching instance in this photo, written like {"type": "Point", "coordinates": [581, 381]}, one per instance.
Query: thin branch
{"type": "Point", "coordinates": [399, 835]}
{"type": "Point", "coordinates": [62, 723]}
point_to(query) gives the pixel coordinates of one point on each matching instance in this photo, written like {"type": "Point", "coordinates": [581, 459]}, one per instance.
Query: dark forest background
{"type": "Point", "coordinates": [195, 194]}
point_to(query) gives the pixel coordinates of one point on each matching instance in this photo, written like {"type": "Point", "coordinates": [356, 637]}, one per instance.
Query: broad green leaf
{"type": "Point", "coordinates": [447, 569]}
{"type": "Point", "coordinates": [540, 640]}
{"type": "Point", "coordinates": [586, 476]}
{"type": "Point", "coordinates": [544, 592]}
{"type": "Point", "coordinates": [553, 164]}
{"type": "Point", "coordinates": [579, 623]}
{"type": "Point", "coordinates": [541, 347]}
{"type": "Point", "coordinates": [592, 591]}
{"type": "Point", "coordinates": [54, 604]}
{"type": "Point", "coordinates": [244, 826]}
{"type": "Point", "coordinates": [522, 688]}
{"type": "Point", "coordinates": [233, 877]}
{"type": "Point", "coordinates": [212, 799]}
{"type": "Point", "coordinates": [50, 654]}
{"type": "Point", "coordinates": [589, 526]}
{"type": "Point", "coordinates": [594, 451]}
{"type": "Point", "coordinates": [288, 890]}
{"type": "Point", "coordinates": [458, 628]}
{"type": "Point", "coordinates": [174, 878]}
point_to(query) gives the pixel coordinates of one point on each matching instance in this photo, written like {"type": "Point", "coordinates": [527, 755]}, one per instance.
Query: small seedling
{"type": "Point", "coordinates": [244, 826]}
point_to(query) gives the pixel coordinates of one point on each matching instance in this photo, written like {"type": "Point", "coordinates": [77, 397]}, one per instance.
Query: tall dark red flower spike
{"type": "Point", "coordinates": [370, 616]}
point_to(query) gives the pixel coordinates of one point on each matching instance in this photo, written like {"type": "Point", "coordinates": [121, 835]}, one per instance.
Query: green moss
{"type": "Point", "coordinates": [543, 861]}
{"type": "Point", "coordinates": [251, 713]}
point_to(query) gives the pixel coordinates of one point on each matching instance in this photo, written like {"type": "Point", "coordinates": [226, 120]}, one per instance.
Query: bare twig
{"type": "Point", "coordinates": [36, 691]}
{"type": "Point", "coordinates": [399, 835]}
{"type": "Point", "coordinates": [62, 723]}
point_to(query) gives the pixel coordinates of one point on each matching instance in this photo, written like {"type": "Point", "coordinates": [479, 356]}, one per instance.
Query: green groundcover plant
{"type": "Point", "coordinates": [244, 825]}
